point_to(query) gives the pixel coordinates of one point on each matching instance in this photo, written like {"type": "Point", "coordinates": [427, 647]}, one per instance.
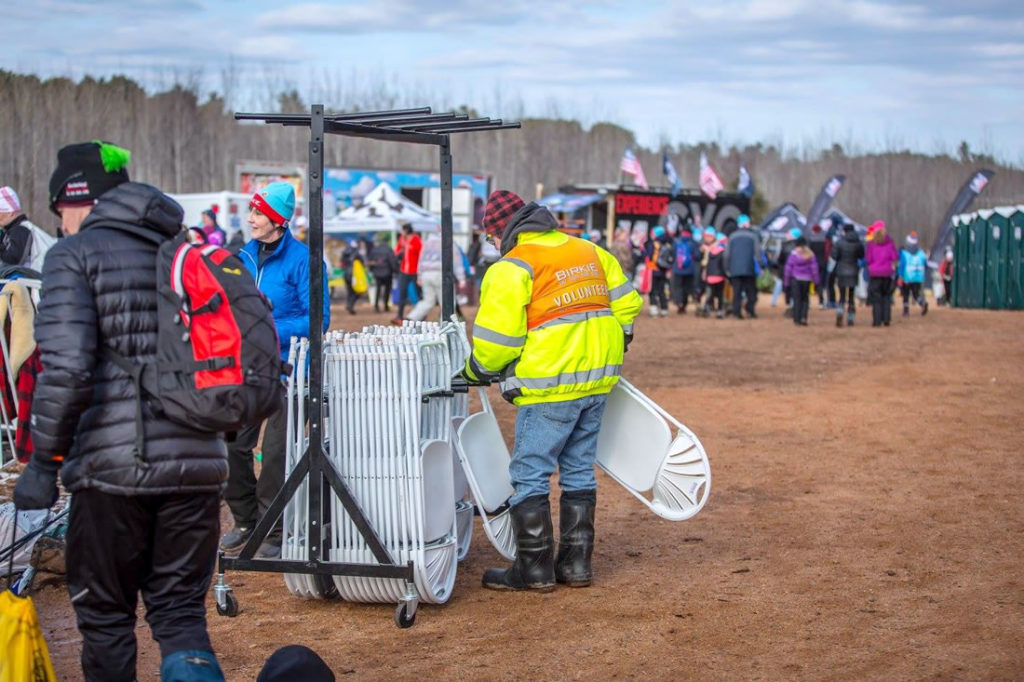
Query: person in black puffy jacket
{"type": "Point", "coordinates": [140, 521]}
{"type": "Point", "coordinates": [848, 254]}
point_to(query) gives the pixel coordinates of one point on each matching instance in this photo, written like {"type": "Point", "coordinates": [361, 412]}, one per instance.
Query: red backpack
{"type": "Point", "coordinates": [218, 366]}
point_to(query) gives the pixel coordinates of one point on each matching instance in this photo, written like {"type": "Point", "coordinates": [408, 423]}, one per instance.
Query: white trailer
{"type": "Point", "coordinates": [232, 209]}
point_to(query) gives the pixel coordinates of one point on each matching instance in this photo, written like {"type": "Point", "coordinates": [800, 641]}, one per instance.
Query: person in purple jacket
{"type": "Point", "coordinates": [213, 232]}
{"type": "Point", "coordinates": [880, 261]}
{"type": "Point", "coordinates": [801, 269]}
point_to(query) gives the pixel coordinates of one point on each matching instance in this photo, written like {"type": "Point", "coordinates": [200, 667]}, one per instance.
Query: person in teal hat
{"type": "Point", "coordinates": [659, 254]}
{"type": "Point", "coordinates": [743, 257]}
{"type": "Point", "coordinates": [280, 265]}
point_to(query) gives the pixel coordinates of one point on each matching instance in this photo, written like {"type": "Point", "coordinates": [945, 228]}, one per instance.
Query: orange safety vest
{"type": "Point", "coordinates": [567, 279]}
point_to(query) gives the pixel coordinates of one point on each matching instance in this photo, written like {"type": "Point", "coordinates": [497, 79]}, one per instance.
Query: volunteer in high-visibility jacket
{"type": "Point", "coordinates": [556, 314]}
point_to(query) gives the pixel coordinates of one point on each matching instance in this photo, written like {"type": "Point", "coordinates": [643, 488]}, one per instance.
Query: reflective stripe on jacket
{"type": "Point", "coordinates": [551, 320]}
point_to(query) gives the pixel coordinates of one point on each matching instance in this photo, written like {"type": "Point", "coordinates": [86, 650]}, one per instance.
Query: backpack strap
{"type": "Point", "coordinates": [134, 371]}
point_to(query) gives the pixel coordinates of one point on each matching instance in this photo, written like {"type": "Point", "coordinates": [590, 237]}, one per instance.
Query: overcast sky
{"type": "Point", "coordinates": [871, 73]}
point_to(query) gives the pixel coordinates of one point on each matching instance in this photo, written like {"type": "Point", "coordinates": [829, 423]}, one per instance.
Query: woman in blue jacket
{"type": "Point", "coordinates": [280, 265]}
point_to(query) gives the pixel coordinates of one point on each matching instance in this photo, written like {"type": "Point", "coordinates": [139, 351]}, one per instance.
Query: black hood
{"type": "Point", "coordinates": [530, 218]}
{"type": "Point", "coordinates": [137, 208]}
{"type": "Point", "coordinates": [851, 236]}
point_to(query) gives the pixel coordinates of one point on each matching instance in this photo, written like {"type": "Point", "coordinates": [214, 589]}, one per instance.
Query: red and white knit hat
{"type": "Point", "coordinates": [9, 200]}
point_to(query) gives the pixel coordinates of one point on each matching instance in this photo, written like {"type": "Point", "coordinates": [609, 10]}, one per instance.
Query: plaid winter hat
{"type": "Point", "coordinates": [501, 206]}
{"type": "Point", "coordinates": [9, 202]}
{"type": "Point", "coordinates": [86, 171]}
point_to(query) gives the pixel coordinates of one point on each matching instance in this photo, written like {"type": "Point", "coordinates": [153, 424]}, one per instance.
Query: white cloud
{"type": "Point", "coordinates": [269, 47]}
{"type": "Point", "coordinates": [998, 50]}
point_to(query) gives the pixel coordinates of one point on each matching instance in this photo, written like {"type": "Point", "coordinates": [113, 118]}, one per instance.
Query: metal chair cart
{"type": "Point", "coordinates": [317, 563]}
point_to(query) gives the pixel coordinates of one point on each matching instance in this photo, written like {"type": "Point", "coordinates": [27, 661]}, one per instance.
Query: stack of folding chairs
{"type": "Point", "coordinates": [389, 409]}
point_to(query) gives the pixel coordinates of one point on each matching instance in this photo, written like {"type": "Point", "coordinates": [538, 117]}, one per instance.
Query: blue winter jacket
{"type": "Point", "coordinates": [912, 266]}
{"type": "Point", "coordinates": [685, 250]}
{"type": "Point", "coordinates": [284, 279]}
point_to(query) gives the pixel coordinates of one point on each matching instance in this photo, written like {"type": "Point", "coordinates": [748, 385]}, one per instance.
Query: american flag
{"type": "Point", "coordinates": [632, 166]}
{"type": "Point", "coordinates": [710, 183]}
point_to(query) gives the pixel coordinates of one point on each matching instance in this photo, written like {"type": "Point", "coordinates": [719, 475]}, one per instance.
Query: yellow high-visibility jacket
{"type": "Point", "coordinates": [552, 318]}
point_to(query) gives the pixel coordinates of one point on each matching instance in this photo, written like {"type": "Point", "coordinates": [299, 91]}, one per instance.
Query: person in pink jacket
{"type": "Point", "coordinates": [880, 258]}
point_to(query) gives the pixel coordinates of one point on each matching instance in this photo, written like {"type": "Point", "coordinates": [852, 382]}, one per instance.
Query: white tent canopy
{"type": "Point", "coordinates": [382, 210]}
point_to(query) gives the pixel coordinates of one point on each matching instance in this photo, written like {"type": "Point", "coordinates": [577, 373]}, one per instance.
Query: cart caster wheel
{"type": "Point", "coordinates": [403, 618]}
{"type": "Point", "coordinates": [230, 608]}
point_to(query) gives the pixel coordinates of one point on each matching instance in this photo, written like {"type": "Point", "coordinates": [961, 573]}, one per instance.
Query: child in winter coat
{"type": "Point", "coordinates": [659, 253]}
{"type": "Point", "coordinates": [682, 269]}
{"type": "Point", "coordinates": [713, 266]}
{"type": "Point", "coordinates": [912, 267]}
{"type": "Point", "coordinates": [801, 269]}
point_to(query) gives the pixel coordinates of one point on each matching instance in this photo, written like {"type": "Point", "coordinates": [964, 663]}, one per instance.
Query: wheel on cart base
{"type": "Point", "coordinates": [230, 608]}
{"type": "Point", "coordinates": [404, 617]}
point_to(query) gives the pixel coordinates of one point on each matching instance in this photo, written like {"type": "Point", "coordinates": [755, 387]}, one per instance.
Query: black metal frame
{"type": "Point", "coordinates": [418, 126]}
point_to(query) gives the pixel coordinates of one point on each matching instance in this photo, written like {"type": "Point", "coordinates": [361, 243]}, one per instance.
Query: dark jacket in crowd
{"type": "Point", "coordinates": [99, 289]}
{"type": "Point", "coordinates": [14, 242]}
{"type": "Point", "coordinates": [784, 251]}
{"type": "Point", "coordinates": [819, 247]}
{"type": "Point", "coordinates": [848, 253]}
{"type": "Point", "coordinates": [742, 251]}
{"type": "Point", "coordinates": [349, 256]}
{"type": "Point", "coordinates": [716, 262]}
{"type": "Point", "coordinates": [665, 242]}
{"type": "Point", "coordinates": [382, 261]}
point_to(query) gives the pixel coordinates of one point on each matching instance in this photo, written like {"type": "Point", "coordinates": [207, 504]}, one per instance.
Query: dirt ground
{"type": "Point", "coordinates": [865, 522]}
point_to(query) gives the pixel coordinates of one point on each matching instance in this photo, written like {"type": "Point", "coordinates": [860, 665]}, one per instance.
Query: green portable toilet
{"type": "Point", "coordinates": [961, 256]}
{"type": "Point", "coordinates": [997, 226]}
{"type": "Point", "coordinates": [1015, 260]}
{"type": "Point", "coordinates": [976, 260]}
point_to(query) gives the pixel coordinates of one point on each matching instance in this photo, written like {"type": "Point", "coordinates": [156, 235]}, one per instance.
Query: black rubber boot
{"type": "Point", "coordinates": [534, 567]}
{"type": "Point", "coordinates": [839, 318]}
{"type": "Point", "coordinates": [849, 318]}
{"type": "Point", "coordinates": [577, 542]}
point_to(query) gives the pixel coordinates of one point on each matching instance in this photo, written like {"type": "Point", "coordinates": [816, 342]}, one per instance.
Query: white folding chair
{"type": "Point", "coordinates": [669, 473]}
{"type": "Point", "coordinates": [485, 459]}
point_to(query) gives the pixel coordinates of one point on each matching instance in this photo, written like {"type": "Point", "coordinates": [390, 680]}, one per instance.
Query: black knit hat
{"type": "Point", "coordinates": [295, 663]}
{"type": "Point", "coordinates": [86, 171]}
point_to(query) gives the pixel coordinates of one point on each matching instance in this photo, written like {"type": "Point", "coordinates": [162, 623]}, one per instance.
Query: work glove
{"type": "Point", "coordinates": [468, 376]}
{"type": "Point", "coordinates": [627, 339]}
{"type": "Point", "coordinates": [36, 487]}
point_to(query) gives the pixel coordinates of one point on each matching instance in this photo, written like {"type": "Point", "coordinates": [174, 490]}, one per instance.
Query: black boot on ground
{"type": "Point", "coordinates": [534, 567]}
{"type": "Point", "coordinates": [839, 319]}
{"type": "Point", "coordinates": [849, 319]}
{"type": "Point", "coordinates": [576, 546]}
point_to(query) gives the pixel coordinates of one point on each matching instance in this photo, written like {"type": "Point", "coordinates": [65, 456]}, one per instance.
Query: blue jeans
{"type": "Point", "coordinates": [562, 434]}
{"type": "Point", "coordinates": [191, 666]}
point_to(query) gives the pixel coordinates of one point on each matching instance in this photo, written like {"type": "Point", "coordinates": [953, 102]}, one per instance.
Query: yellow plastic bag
{"type": "Point", "coordinates": [359, 283]}
{"type": "Point", "coordinates": [23, 652]}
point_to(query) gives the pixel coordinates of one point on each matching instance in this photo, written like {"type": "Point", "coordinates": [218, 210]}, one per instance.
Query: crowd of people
{"type": "Point", "coordinates": [408, 274]}
{"type": "Point", "coordinates": [721, 275]}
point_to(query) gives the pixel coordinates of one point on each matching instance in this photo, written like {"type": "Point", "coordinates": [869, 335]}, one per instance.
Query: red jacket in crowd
{"type": "Point", "coordinates": [408, 249]}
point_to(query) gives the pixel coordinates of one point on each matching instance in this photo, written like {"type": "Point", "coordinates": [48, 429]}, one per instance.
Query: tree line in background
{"type": "Point", "coordinates": [183, 143]}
